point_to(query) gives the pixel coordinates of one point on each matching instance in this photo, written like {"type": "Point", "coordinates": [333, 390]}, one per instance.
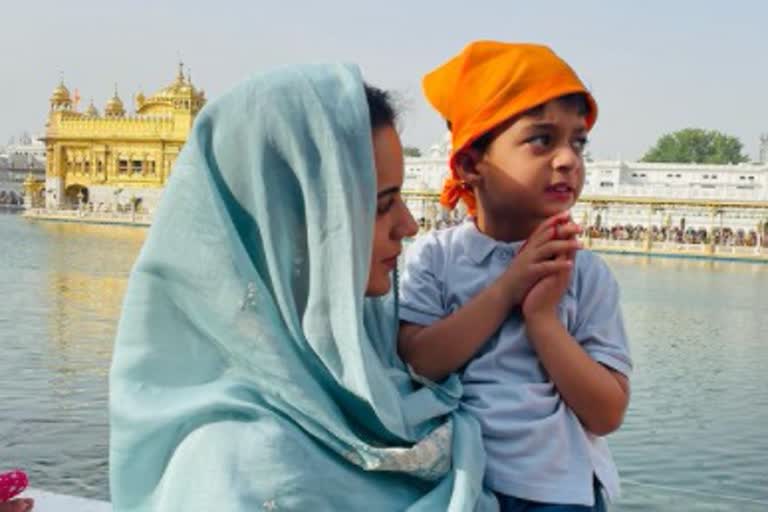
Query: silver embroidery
{"type": "Point", "coordinates": [430, 458]}
{"type": "Point", "coordinates": [354, 458]}
{"type": "Point", "coordinates": [250, 296]}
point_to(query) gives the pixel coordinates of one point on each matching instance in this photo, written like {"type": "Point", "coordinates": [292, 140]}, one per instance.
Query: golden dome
{"type": "Point", "coordinates": [60, 94]}
{"type": "Point", "coordinates": [180, 90]}
{"type": "Point", "coordinates": [92, 111]}
{"type": "Point", "coordinates": [114, 103]}
{"type": "Point", "coordinates": [114, 107]}
{"type": "Point", "coordinates": [181, 94]}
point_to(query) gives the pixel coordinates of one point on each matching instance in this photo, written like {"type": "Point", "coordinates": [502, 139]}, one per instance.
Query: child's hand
{"type": "Point", "coordinates": [547, 292]}
{"type": "Point", "coordinates": [548, 252]}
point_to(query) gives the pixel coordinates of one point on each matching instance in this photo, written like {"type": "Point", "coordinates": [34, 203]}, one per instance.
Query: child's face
{"type": "Point", "coordinates": [534, 167]}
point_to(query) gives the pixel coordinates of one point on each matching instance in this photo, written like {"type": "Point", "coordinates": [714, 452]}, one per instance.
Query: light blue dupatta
{"type": "Point", "coordinates": [249, 371]}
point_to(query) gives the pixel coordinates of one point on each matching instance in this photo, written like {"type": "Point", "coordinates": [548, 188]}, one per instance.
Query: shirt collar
{"type": "Point", "coordinates": [479, 245]}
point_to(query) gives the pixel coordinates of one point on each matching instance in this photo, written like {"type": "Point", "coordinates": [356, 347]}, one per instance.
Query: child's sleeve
{"type": "Point", "coordinates": [599, 323]}
{"type": "Point", "coordinates": [421, 295]}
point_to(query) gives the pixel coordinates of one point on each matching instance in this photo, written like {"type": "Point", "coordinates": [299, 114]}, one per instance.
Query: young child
{"type": "Point", "coordinates": [531, 323]}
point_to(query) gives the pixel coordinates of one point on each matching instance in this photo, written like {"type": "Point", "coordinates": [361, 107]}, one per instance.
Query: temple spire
{"type": "Point", "coordinates": [180, 75]}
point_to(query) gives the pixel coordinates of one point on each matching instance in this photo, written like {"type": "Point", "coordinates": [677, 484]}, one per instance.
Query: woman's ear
{"type": "Point", "coordinates": [467, 166]}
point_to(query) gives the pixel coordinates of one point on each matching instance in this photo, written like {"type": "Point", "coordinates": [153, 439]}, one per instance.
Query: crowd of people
{"type": "Point", "coordinates": [719, 236]}
{"type": "Point", "coordinates": [725, 236]}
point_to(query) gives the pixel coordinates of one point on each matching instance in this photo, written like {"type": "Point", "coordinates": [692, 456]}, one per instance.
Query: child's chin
{"type": "Point", "coordinates": [555, 210]}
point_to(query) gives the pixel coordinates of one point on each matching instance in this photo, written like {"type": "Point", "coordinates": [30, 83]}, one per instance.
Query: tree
{"type": "Point", "coordinates": [412, 151]}
{"type": "Point", "coordinates": [694, 145]}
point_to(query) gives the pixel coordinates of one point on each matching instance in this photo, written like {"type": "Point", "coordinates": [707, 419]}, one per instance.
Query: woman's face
{"type": "Point", "coordinates": [393, 220]}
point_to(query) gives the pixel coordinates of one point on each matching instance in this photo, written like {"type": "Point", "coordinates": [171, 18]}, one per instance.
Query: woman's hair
{"type": "Point", "coordinates": [576, 100]}
{"type": "Point", "coordinates": [380, 108]}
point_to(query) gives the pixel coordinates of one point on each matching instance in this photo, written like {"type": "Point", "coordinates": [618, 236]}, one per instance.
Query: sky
{"type": "Point", "coordinates": [654, 66]}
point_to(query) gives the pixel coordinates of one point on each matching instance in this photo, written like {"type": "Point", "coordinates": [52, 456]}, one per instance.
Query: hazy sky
{"type": "Point", "coordinates": [654, 66]}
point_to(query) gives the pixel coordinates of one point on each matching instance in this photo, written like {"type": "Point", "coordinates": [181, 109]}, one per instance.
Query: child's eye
{"type": "Point", "coordinates": [542, 140]}
{"type": "Point", "coordinates": [580, 143]}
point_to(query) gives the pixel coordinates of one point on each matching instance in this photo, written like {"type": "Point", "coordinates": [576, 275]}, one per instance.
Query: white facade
{"type": "Point", "coordinates": [18, 160]}
{"type": "Point", "coordinates": [427, 173]}
{"type": "Point", "coordinates": [743, 182]}
{"type": "Point", "coordinates": [26, 146]}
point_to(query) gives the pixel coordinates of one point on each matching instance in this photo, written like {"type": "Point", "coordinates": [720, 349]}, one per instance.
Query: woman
{"type": "Point", "coordinates": [254, 367]}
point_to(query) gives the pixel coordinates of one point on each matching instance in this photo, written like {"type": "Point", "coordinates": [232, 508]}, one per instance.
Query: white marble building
{"type": "Point", "coordinates": [19, 159]}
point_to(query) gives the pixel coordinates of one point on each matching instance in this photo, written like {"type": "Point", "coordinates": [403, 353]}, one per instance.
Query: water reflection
{"type": "Point", "coordinates": [87, 275]}
{"type": "Point", "coordinates": [63, 285]}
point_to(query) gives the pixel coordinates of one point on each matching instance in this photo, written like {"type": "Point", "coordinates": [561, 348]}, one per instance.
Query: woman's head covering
{"type": "Point", "coordinates": [249, 371]}
{"type": "Point", "coordinates": [488, 83]}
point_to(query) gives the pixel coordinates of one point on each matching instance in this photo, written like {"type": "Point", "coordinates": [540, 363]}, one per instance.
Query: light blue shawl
{"type": "Point", "coordinates": [249, 371]}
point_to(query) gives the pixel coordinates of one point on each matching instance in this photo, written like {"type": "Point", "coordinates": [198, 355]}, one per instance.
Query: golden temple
{"type": "Point", "coordinates": [114, 161]}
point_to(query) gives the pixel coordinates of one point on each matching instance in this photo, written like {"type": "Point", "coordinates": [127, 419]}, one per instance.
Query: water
{"type": "Point", "coordinates": [695, 437]}
{"type": "Point", "coordinates": [699, 412]}
{"type": "Point", "coordinates": [61, 290]}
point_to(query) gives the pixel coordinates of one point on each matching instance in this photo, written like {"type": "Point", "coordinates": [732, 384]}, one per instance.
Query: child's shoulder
{"type": "Point", "coordinates": [587, 260]}
{"type": "Point", "coordinates": [440, 241]}
{"type": "Point", "coordinates": [436, 249]}
{"type": "Point", "coordinates": [592, 272]}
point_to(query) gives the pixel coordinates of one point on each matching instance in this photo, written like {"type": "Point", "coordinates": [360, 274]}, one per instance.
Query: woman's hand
{"type": "Point", "coordinates": [17, 505]}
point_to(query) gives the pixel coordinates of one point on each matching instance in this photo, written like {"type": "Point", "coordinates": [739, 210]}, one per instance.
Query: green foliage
{"type": "Point", "coordinates": [411, 151]}
{"type": "Point", "coordinates": [694, 145]}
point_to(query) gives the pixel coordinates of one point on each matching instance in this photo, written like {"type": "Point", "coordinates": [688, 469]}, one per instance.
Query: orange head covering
{"type": "Point", "coordinates": [488, 83]}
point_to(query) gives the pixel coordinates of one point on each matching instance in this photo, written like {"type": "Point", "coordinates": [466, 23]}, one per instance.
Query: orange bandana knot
{"type": "Point", "coordinates": [454, 190]}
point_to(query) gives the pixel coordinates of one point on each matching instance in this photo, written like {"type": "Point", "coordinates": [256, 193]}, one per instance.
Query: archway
{"type": "Point", "coordinates": [76, 195]}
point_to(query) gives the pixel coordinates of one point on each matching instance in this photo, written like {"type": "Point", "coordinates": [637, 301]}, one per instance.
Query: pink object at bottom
{"type": "Point", "coordinates": [11, 484]}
